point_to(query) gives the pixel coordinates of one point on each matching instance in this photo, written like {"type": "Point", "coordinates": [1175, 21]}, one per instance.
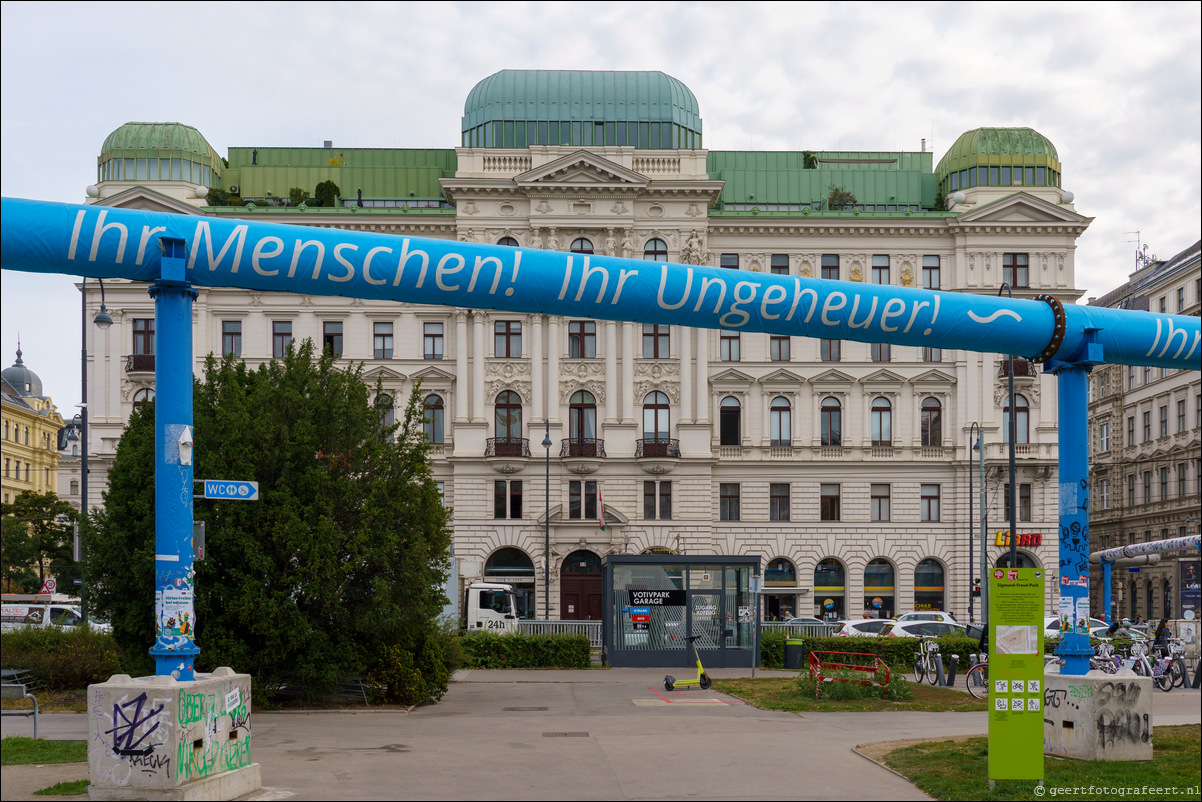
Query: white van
{"type": "Point", "coordinates": [39, 614]}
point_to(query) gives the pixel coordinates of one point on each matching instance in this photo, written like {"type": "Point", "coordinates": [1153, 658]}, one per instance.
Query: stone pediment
{"type": "Point", "coordinates": [433, 374]}
{"type": "Point", "coordinates": [581, 169]}
{"type": "Point", "coordinates": [149, 200]}
{"type": "Point", "coordinates": [731, 376]}
{"type": "Point", "coordinates": [832, 377]}
{"type": "Point", "coordinates": [883, 376]}
{"type": "Point", "coordinates": [1022, 209]}
{"type": "Point", "coordinates": [383, 373]}
{"type": "Point", "coordinates": [782, 376]}
{"type": "Point", "coordinates": [933, 377]}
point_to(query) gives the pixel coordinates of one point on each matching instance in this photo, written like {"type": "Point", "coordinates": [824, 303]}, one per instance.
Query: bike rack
{"type": "Point", "coordinates": [822, 670]}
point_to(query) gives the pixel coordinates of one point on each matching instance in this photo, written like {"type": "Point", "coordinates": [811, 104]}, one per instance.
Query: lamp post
{"type": "Point", "coordinates": [547, 526]}
{"type": "Point", "coordinates": [1013, 500]}
{"type": "Point", "coordinates": [976, 427]}
{"type": "Point", "coordinates": [102, 322]}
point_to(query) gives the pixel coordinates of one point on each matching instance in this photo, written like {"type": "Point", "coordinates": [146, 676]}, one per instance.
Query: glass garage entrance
{"type": "Point", "coordinates": [653, 602]}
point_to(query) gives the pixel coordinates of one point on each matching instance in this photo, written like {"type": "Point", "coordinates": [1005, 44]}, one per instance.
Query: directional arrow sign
{"type": "Point", "coordinates": [231, 490]}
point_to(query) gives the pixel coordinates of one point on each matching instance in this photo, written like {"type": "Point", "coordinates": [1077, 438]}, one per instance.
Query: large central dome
{"type": "Point", "coordinates": [517, 108]}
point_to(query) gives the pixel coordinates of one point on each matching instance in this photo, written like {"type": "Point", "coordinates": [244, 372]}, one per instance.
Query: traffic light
{"type": "Point", "coordinates": [976, 587]}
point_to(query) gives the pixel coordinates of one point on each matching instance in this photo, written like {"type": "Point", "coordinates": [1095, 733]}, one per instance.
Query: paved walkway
{"type": "Point", "coordinates": [602, 734]}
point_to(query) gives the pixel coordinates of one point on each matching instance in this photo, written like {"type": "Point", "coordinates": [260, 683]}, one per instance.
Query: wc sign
{"type": "Point", "coordinates": [230, 490]}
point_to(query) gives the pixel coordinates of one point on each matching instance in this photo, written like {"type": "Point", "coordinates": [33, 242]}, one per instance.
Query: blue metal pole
{"type": "Point", "coordinates": [174, 649]}
{"type": "Point", "coordinates": [1106, 591]}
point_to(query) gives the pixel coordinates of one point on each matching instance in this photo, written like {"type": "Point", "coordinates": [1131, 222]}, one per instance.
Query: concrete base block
{"type": "Point", "coordinates": [159, 738]}
{"type": "Point", "coordinates": [1098, 716]}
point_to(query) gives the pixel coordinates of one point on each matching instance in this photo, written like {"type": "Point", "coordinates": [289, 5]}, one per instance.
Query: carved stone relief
{"type": "Point", "coordinates": [807, 263]}
{"type": "Point", "coordinates": [619, 208]}
{"type": "Point", "coordinates": [694, 210]}
{"type": "Point", "coordinates": [469, 208]}
{"type": "Point", "coordinates": [544, 207]}
{"type": "Point", "coordinates": [652, 376]}
{"type": "Point", "coordinates": [506, 210]}
{"type": "Point", "coordinates": [1001, 393]}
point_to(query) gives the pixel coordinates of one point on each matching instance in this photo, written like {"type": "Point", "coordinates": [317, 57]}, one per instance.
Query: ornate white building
{"type": "Point", "coordinates": [845, 466]}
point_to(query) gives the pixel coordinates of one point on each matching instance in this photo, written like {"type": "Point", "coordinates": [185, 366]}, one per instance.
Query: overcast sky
{"type": "Point", "coordinates": [1116, 87]}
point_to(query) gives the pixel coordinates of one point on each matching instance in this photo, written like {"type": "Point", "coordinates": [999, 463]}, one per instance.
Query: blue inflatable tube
{"type": "Point", "coordinates": [102, 242]}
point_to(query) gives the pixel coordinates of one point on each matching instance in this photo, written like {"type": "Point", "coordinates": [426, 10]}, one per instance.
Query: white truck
{"type": "Point", "coordinates": [490, 607]}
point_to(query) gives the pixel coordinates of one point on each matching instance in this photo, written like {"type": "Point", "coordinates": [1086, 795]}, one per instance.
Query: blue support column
{"type": "Point", "coordinates": [1106, 591]}
{"type": "Point", "coordinates": [174, 649]}
{"type": "Point", "coordinates": [1073, 573]}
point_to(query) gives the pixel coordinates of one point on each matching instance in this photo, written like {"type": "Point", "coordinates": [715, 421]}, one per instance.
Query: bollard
{"type": "Point", "coordinates": [951, 670]}
{"type": "Point", "coordinates": [939, 675]}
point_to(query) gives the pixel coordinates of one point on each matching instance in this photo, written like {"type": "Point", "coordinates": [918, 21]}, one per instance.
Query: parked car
{"type": "Point", "coordinates": [926, 615]}
{"type": "Point", "coordinates": [807, 620]}
{"type": "Point", "coordinates": [868, 628]}
{"type": "Point", "coordinates": [1051, 626]}
{"type": "Point", "coordinates": [916, 629]}
{"type": "Point", "coordinates": [28, 610]}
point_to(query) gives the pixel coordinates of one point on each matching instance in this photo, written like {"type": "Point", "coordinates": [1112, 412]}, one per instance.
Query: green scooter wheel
{"type": "Point", "coordinates": [669, 683]}
{"type": "Point", "coordinates": [706, 682]}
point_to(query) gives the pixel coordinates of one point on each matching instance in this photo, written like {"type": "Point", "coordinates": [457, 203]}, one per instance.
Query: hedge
{"type": "Point", "coordinates": [62, 659]}
{"type": "Point", "coordinates": [519, 650]}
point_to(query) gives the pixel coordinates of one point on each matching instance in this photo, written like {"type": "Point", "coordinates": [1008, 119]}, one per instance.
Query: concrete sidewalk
{"type": "Point", "coordinates": [601, 734]}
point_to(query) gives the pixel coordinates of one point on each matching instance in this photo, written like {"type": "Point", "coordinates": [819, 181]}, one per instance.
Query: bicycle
{"type": "Point", "coordinates": [977, 678]}
{"type": "Point", "coordinates": [1174, 655]}
{"type": "Point", "coordinates": [925, 660]}
{"type": "Point", "coordinates": [1157, 668]}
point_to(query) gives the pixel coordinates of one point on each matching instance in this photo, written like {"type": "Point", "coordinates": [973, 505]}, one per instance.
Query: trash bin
{"type": "Point", "coordinates": [795, 653]}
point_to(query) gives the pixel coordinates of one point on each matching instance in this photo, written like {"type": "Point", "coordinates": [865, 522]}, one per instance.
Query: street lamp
{"type": "Point", "coordinates": [976, 427]}
{"type": "Point", "coordinates": [547, 527]}
{"type": "Point", "coordinates": [1013, 500]}
{"type": "Point", "coordinates": [102, 321]}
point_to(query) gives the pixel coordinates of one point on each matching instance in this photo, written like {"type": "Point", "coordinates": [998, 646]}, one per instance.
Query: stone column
{"type": "Point", "coordinates": [686, 374]}
{"type": "Point", "coordinates": [479, 360]}
{"type": "Point", "coordinates": [553, 368]}
{"type": "Point", "coordinates": [536, 367]}
{"type": "Point", "coordinates": [612, 404]}
{"type": "Point", "coordinates": [461, 368]}
{"type": "Point", "coordinates": [703, 375]}
{"type": "Point", "coordinates": [628, 338]}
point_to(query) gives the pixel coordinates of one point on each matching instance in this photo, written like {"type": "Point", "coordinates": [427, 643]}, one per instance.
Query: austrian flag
{"type": "Point", "coordinates": [600, 510]}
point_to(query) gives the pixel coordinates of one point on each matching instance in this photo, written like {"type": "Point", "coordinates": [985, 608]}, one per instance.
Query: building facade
{"type": "Point", "coordinates": [1146, 451]}
{"type": "Point", "coordinates": [31, 424]}
{"type": "Point", "coordinates": [846, 467]}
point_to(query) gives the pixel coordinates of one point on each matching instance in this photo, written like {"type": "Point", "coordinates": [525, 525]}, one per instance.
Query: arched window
{"type": "Point", "coordinates": [656, 425]}
{"type": "Point", "coordinates": [830, 580]}
{"type": "Point", "coordinates": [729, 422]}
{"type": "Point", "coordinates": [656, 250]}
{"type": "Point", "coordinates": [932, 422]}
{"type": "Point", "coordinates": [508, 242]}
{"type": "Point", "coordinates": [435, 419]}
{"type": "Point", "coordinates": [142, 398]}
{"type": "Point", "coordinates": [1021, 421]}
{"type": "Point", "coordinates": [509, 424]}
{"type": "Point", "coordinates": [384, 410]}
{"type": "Point", "coordinates": [780, 420]}
{"type": "Point", "coordinates": [780, 573]}
{"type": "Point", "coordinates": [879, 585]}
{"type": "Point", "coordinates": [582, 245]}
{"type": "Point", "coordinates": [508, 563]}
{"type": "Point", "coordinates": [1024, 560]}
{"type": "Point", "coordinates": [582, 562]}
{"type": "Point", "coordinates": [582, 424]}
{"type": "Point", "coordinates": [832, 422]}
{"type": "Point", "coordinates": [882, 422]}
{"type": "Point", "coordinates": [928, 585]}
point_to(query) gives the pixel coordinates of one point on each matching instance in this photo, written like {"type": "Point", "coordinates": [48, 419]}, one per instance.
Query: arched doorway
{"type": "Point", "coordinates": [580, 587]}
{"type": "Point", "coordinates": [879, 586]}
{"type": "Point", "coordinates": [929, 585]}
{"type": "Point", "coordinates": [513, 567]}
{"type": "Point", "coordinates": [830, 588]}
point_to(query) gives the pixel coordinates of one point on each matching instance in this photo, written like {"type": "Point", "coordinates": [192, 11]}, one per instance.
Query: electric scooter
{"type": "Point", "coordinates": [703, 679]}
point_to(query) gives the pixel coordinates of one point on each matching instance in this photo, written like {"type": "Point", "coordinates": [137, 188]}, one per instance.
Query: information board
{"type": "Point", "coordinates": [1016, 674]}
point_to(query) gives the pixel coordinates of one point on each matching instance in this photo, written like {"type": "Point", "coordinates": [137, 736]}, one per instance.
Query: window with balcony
{"type": "Point", "coordinates": [930, 502]}
{"type": "Point", "coordinates": [728, 501]}
{"type": "Point", "coordinates": [730, 422]}
{"type": "Point", "coordinates": [879, 502]}
{"type": "Point", "coordinates": [582, 424]}
{"type": "Point", "coordinates": [657, 500]}
{"type": "Point", "coordinates": [882, 422]}
{"type": "Point", "coordinates": [655, 342]}
{"type": "Point", "coordinates": [780, 417]}
{"type": "Point", "coordinates": [281, 337]}
{"type": "Point", "coordinates": [231, 338]}
{"type": "Point", "coordinates": [382, 340]}
{"type": "Point", "coordinates": [778, 501]}
{"type": "Point", "coordinates": [331, 337]}
{"type": "Point", "coordinates": [1014, 269]}
{"type": "Point", "coordinates": [830, 266]}
{"type": "Point", "coordinates": [930, 272]}
{"type": "Point", "coordinates": [143, 336]}
{"type": "Point", "coordinates": [656, 424]}
{"type": "Point", "coordinates": [508, 411]}
{"type": "Point", "coordinates": [932, 423]}
{"type": "Point", "coordinates": [828, 502]}
{"type": "Point", "coordinates": [432, 340]}
{"type": "Point", "coordinates": [832, 422]}
{"type": "Point", "coordinates": [582, 339]}
{"type": "Point", "coordinates": [507, 338]}
{"type": "Point", "coordinates": [779, 348]}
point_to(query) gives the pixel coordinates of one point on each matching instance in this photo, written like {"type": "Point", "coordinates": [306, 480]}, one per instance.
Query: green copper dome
{"type": "Point", "coordinates": [158, 151]}
{"type": "Point", "coordinates": [517, 108]}
{"type": "Point", "coordinates": [999, 157]}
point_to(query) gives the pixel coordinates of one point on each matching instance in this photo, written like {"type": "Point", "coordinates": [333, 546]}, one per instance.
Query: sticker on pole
{"type": "Point", "coordinates": [231, 490]}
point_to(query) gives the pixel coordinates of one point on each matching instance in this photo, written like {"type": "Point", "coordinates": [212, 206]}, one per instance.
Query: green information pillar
{"type": "Point", "coordinates": [1016, 674]}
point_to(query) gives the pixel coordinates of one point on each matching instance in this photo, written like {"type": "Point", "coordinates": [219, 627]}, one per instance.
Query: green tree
{"type": "Point", "coordinates": [297, 196]}
{"type": "Point", "coordinates": [839, 198]}
{"type": "Point", "coordinates": [38, 534]}
{"type": "Point", "coordinates": [338, 568]}
{"type": "Point", "coordinates": [326, 193]}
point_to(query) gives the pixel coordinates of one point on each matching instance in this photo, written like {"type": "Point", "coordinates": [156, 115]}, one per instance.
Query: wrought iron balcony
{"type": "Point", "coordinates": [507, 447]}
{"type": "Point", "coordinates": [1023, 368]}
{"type": "Point", "coordinates": [137, 363]}
{"type": "Point", "coordinates": [657, 447]}
{"type": "Point", "coordinates": [582, 447]}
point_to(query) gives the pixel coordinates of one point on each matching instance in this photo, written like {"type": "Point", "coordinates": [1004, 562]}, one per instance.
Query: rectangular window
{"type": "Point", "coordinates": [728, 502]}
{"type": "Point", "coordinates": [144, 335]}
{"type": "Point", "coordinates": [1147, 487]}
{"type": "Point", "coordinates": [880, 352]}
{"type": "Point", "coordinates": [1164, 483]}
{"type": "Point", "coordinates": [780, 264]}
{"type": "Point", "coordinates": [828, 503]}
{"type": "Point", "coordinates": [1180, 300]}
{"type": "Point", "coordinates": [281, 336]}
{"type": "Point", "coordinates": [1104, 493]}
{"type": "Point", "coordinates": [930, 354]}
{"type": "Point", "coordinates": [1024, 502]}
{"type": "Point", "coordinates": [432, 346]}
{"type": "Point", "coordinates": [729, 346]}
{"type": "Point", "coordinates": [779, 351]}
{"type": "Point", "coordinates": [1182, 479]}
{"type": "Point", "coordinates": [880, 502]}
{"type": "Point", "coordinates": [657, 500]}
{"type": "Point", "coordinates": [507, 499]}
{"type": "Point", "coordinates": [507, 338]}
{"type": "Point", "coordinates": [829, 350]}
{"type": "Point", "coordinates": [655, 341]}
{"type": "Point", "coordinates": [1103, 437]}
{"type": "Point", "coordinates": [830, 266]}
{"type": "Point", "coordinates": [331, 338]}
{"type": "Point", "coordinates": [930, 502]}
{"type": "Point", "coordinates": [231, 338]}
{"type": "Point", "coordinates": [1014, 269]}
{"type": "Point", "coordinates": [582, 339]}
{"type": "Point", "coordinates": [1164, 421]}
{"type": "Point", "coordinates": [930, 272]}
{"type": "Point", "coordinates": [729, 260]}
{"type": "Point", "coordinates": [582, 500]}
{"type": "Point", "coordinates": [1181, 415]}
{"type": "Point", "coordinates": [382, 340]}
{"type": "Point", "coordinates": [1147, 426]}
{"type": "Point", "coordinates": [778, 502]}
{"type": "Point", "coordinates": [1130, 430]}
{"type": "Point", "coordinates": [880, 269]}
{"type": "Point", "coordinates": [1131, 490]}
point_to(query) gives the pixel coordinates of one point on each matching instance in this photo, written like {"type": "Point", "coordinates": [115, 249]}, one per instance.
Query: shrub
{"type": "Point", "coordinates": [62, 659]}
{"type": "Point", "coordinates": [518, 650]}
{"type": "Point", "coordinates": [411, 674]}
{"type": "Point", "coordinates": [895, 690]}
{"type": "Point", "coordinates": [897, 652]}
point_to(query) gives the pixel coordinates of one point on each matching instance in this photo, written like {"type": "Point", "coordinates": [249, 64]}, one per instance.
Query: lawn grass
{"type": "Point", "coordinates": [782, 693]}
{"type": "Point", "coordinates": [73, 701]}
{"type": "Point", "coordinates": [19, 751]}
{"type": "Point", "coordinates": [70, 788]}
{"type": "Point", "coordinates": [960, 770]}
